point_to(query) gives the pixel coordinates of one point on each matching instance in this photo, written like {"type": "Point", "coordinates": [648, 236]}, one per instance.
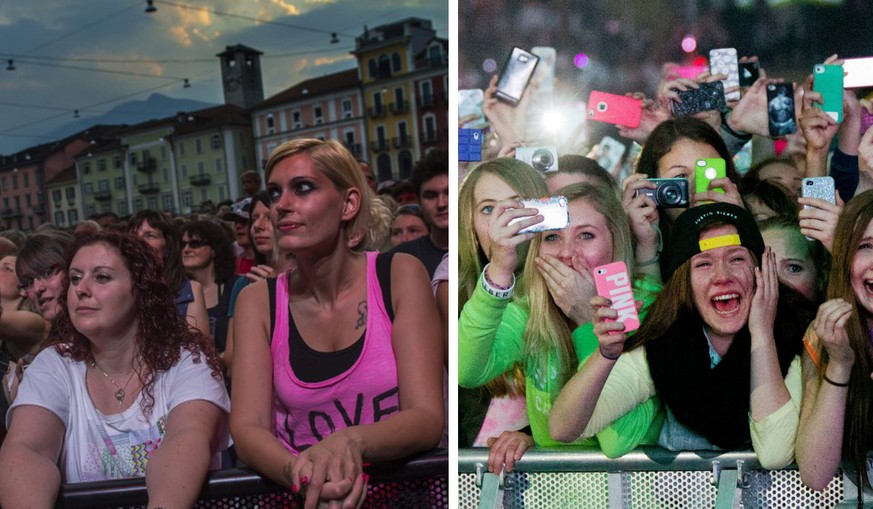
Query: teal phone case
{"type": "Point", "coordinates": [828, 81]}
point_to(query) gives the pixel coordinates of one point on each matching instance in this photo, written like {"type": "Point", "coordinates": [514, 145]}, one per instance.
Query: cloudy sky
{"type": "Point", "coordinates": [91, 55]}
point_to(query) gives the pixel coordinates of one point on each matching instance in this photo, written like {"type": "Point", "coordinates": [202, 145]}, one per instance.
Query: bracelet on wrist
{"type": "Point", "coordinates": [835, 384]}
{"type": "Point", "coordinates": [607, 357]}
{"type": "Point", "coordinates": [726, 127]}
{"type": "Point", "coordinates": [495, 290]}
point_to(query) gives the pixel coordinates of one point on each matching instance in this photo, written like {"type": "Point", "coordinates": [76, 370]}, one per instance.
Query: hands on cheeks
{"type": "Point", "coordinates": [763, 312]}
{"type": "Point", "coordinates": [819, 221]}
{"type": "Point", "coordinates": [830, 327]}
{"type": "Point", "coordinates": [506, 449]}
{"type": "Point", "coordinates": [330, 474]}
{"type": "Point", "coordinates": [569, 288]}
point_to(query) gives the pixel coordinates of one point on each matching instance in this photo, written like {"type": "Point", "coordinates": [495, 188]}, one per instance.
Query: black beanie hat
{"type": "Point", "coordinates": [685, 240]}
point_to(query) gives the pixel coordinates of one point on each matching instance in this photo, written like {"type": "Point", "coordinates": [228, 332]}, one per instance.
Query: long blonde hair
{"type": "Point", "coordinates": [547, 330]}
{"type": "Point", "coordinates": [524, 180]}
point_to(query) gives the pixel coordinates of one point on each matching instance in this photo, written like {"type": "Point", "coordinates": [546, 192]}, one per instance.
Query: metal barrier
{"type": "Point", "coordinates": [647, 478]}
{"type": "Point", "coordinates": [421, 481]}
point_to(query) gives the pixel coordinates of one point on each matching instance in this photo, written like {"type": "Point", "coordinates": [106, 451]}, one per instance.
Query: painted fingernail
{"type": "Point", "coordinates": [366, 478]}
{"type": "Point", "coordinates": [294, 488]}
{"type": "Point", "coordinates": [304, 480]}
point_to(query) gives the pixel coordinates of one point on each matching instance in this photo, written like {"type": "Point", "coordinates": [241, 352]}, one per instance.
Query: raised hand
{"type": "Point", "coordinates": [819, 222]}
{"type": "Point", "coordinates": [505, 238]}
{"type": "Point", "coordinates": [830, 327]}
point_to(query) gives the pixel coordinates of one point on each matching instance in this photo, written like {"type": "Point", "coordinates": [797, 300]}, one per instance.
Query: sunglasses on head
{"type": "Point", "coordinates": [412, 208]}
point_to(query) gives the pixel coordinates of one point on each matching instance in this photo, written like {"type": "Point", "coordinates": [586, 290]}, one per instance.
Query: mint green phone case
{"type": "Point", "coordinates": [828, 81]}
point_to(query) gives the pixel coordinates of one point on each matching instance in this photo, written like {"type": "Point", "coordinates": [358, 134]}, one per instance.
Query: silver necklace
{"type": "Point", "coordinates": [120, 393]}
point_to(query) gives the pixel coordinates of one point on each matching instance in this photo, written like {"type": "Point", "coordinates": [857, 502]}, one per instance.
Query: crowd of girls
{"type": "Point", "coordinates": [756, 303]}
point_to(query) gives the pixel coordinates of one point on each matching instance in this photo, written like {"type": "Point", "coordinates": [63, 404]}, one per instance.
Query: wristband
{"type": "Point", "coordinates": [495, 290]}
{"type": "Point", "coordinates": [835, 384]}
{"type": "Point", "coordinates": [726, 127]}
{"type": "Point", "coordinates": [653, 261]}
{"type": "Point", "coordinates": [606, 356]}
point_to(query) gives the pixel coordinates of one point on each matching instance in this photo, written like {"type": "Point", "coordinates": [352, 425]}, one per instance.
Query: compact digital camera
{"type": "Point", "coordinates": [544, 159]}
{"type": "Point", "coordinates": [670, 193]}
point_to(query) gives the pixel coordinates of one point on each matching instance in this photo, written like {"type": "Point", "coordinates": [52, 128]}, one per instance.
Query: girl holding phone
{"type": "Point", "coordinates": [720, 346]}
{"type": "Point", "coordinates": [547, 326]}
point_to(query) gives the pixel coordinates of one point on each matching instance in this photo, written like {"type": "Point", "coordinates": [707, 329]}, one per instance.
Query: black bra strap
{"type": "Point", "coordinates": [271, 289]}
{"type": "Point", "coordinates": [383, 273]}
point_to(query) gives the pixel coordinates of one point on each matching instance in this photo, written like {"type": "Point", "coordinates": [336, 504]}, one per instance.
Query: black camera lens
{"type": "Point", "coordinates": [669, 194]}
{"type": "Point", "coordinates": [542, 160]}
{"type": "Point", "coordinates": [601, 106]}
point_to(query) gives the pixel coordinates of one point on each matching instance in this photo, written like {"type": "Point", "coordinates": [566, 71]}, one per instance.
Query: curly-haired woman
{"type": "Point", "coordinates": [121, 390]}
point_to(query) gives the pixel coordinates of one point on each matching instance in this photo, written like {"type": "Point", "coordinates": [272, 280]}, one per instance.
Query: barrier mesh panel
{"type": "Point", "coordinates": [776, 489]}
{"type": "Point", "coordinates": [411, 494]}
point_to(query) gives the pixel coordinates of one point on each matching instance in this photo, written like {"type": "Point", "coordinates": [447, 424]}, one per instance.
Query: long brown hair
{"type": "Point", "coordinates": [162, 335]}
{"type": "Point", "coordinates": [857, 429]}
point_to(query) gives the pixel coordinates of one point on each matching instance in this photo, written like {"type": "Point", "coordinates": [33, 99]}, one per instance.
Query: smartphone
{"type": "Point", "coordinates": [749, 73]}
{"type": "Point", "coordinates": [671, 193]}
{"type": "Point", "coordinates": [707, 170]}
{"type": "Point", "coordinates": [613, 282]}
{"type": "Point", "coordinates": [544, 76]}
{"type": "Point", "coordinates": [859, 72]}
{"type": "Point", "coordinates": [828, 80]}
{"type": "Point", "coordinates": [610, 151]}
{"type": "Point", "coordinates": [818, 187]}
{"type": "Point", "coordinates": [780, 109]}
{"type": "Point", "coordinates": [554, 211]}
{"type": "Point", "coordinates": [615, 109]}
{"type": "Point", "coordinates": [724, 61]}
{"type": "Point", "coordinates": [516, 74]}
{"type": "Point", "coordinates": [709, 96]}
{"type": "Point", "coordinates": [469, 145]}
{"type": "Point", "coordinates": [469, 105]}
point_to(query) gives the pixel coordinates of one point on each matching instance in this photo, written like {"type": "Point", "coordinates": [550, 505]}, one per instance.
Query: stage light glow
{"type": "Point", "coordinates": [581, 60]}
{"type": "Point", "coordinates": [489, 65]}
{"type": "Point", "coordinates": [689, 43]}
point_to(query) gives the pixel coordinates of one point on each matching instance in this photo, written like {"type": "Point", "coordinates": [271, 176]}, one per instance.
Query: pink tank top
{"type": "Point", "coordinates": [305, 413]}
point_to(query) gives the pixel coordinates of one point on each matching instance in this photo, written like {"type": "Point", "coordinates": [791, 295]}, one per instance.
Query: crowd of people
{"type": "Point", "coordinates": [299, 331]}
{"type": "Point", "coordinates": [755, 300]}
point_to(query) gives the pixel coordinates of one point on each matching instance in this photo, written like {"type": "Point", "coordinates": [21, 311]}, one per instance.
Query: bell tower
{"type": "Point", "coordinates": [241, 76]}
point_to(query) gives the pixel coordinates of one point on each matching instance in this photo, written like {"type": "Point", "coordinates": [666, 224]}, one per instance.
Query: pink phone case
{"type": "Point", "coordinates": [613, 282]}
{"type": "Point", "coordinates": [615, 109]}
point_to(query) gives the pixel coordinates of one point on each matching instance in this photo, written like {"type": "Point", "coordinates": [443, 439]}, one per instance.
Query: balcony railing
{"type": "Point", "coordinates": [201, 179]}
{"type": "Point", "coordinates": [429, 137]}
{"type": "Point", "coordinates": [402, 142]}
{"type": "Point", "coordinates": [399, 107]}
{"type": "Point", "coordinates": [149, 188]}
{"type": "Point", "coordinates": [426, 101]}
{"type": "Point", "coordinates": [10, 213]}
{"type": "Point", "coordinates": [418, 482]}
{"type": "Point", "coordinates": [102, 195]}
{"type": "Point", "coordinates": [149, 165]}
{"type": "Point", "coordinates": [379, 146]}
{"type": "Point", "coordinates": [377, 111]}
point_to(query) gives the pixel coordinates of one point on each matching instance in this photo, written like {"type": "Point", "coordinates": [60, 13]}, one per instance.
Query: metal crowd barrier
{"type": "Point", "coordinates": [421, 481]}
{"type": "Point", "coordinates": [647, 478]}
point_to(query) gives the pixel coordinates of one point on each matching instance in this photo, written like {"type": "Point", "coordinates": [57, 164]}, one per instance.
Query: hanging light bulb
{"type": "Point", "coordinates": [333, 38]}
{"type": "Point", "coordinates": [75, 113]}
{"type": "Point", "coordinates": [150, 7]}
{"type": "Point", "coordinates": [11, 65]}
{"type": "Point", "coordinates": [186, 85]}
